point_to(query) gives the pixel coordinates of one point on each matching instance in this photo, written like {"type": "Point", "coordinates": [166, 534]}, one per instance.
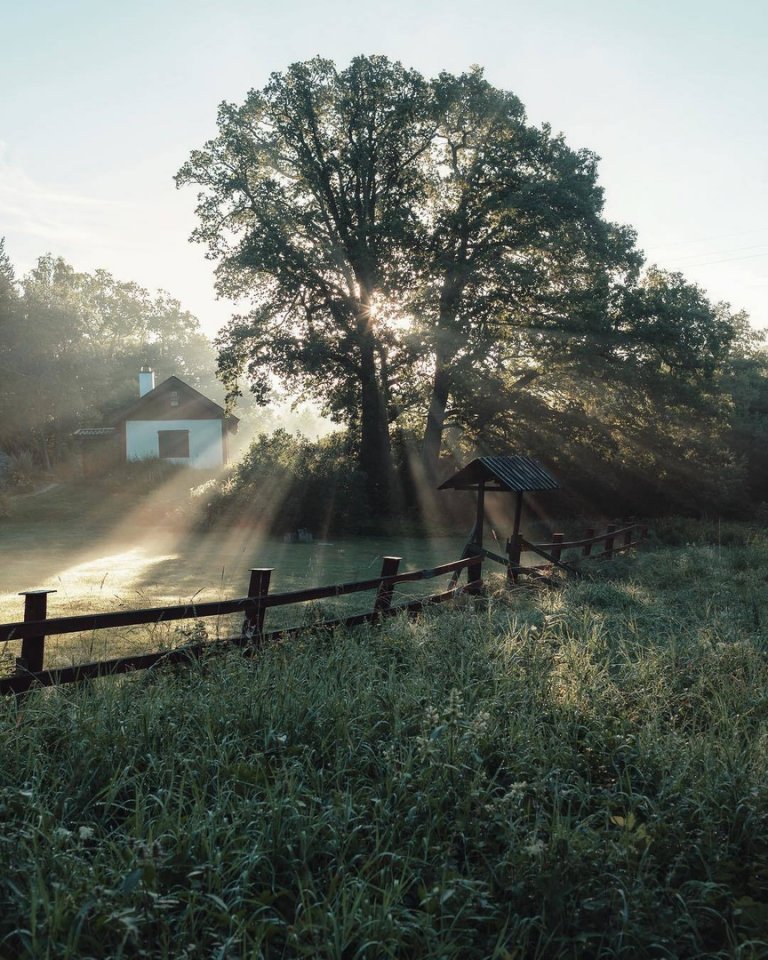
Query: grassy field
{"type": "Point", "coordinates": [64, 540]}
{"type": "Point", "coordinates": [576, 772]}
{"type": "Point", "coordinates": [99, 556]}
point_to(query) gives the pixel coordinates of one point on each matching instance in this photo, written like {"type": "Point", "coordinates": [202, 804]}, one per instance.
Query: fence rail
{"type": "Point", "coordinates": [36, 626]}
{"type": "Point", "coordinates": [629, 536]}
{"type": "Point", "coordinates": [589, 540]}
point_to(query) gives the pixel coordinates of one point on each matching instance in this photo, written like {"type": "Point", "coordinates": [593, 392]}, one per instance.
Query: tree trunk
{"type": "Point", "coordinates": [375, 447]}
{"type": "Point", "coordinates": [433, 431]}
{"type": "Point", "coordinates": [446, 348]}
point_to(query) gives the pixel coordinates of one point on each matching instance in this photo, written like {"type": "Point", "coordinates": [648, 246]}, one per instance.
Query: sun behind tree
{"type": "Point", "coordinates": [417, 256]}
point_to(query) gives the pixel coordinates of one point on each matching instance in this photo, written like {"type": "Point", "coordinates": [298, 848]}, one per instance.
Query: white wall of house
{"type": "Point", "coordinates": [205, 440]}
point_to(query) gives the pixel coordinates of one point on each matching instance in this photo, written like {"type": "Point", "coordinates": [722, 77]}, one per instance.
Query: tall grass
{"type": "Point", "coordinates": [578, 772]}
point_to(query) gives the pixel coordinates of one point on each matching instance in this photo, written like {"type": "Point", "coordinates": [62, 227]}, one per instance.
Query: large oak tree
{"type": "Point", "coordinates": [416, 252]}
{"type": "Point", "coordinates": [309, 204]}
{"type": "Point", "coordinates": [521, 264]}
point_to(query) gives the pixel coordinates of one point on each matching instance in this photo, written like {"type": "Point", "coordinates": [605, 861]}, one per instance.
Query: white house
{"type": "Point", "coordinates": [174, 422]}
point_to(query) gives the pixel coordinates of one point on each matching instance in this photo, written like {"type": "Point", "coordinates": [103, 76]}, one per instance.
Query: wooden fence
{"type": "Point", "coordinates": [614, 540]}
{"type": "Point", "coordinates": [36, 625]}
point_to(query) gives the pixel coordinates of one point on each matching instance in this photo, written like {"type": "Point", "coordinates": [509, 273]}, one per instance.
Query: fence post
{"type": "Point", "coordinates": [475, 570]}
{"type": "Point", "coordinates": [557, 539]}
{"type": "Point", "coordinates": [586, 550]}
{"type": "Point", "coordinates": [383, 599]}
{"type": "Point", "coordinates": [643, 533]}
{"type": "Point", "coordinates": [628, 536]}
{"type": "Point", "coordinates": [609, 540]}
{"type": "Point", "coordinates": [258, 586]}
{"type": "Point", "coordinates": [33, 648]}
{"type": "Point", "coordinates": [475, 575]}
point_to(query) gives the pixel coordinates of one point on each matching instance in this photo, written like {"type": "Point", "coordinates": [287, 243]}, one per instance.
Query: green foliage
{"type": "Point", "coordinates": [145, 476]}
{"type": "Point", "coordinates": [420, 259]}
{"type": "Point", "coordinates": [19, 471]}
{"type": "Point", "coordinates": [344, 202]}
{"type": "Point", "coordinates": [680, 532]}
{"type": "Point", "coordinates": [674, 326]}
{"type": "Point", "coordinates": [285, 482]}
{"type": "Point", "coordinates": [522, 266]}
{"type": "Point", "coordinates": [71, 346]}
{"type": "Point", "coordinates": [577, 772]}
{"type": "Point", "coordinates": [307, 205]}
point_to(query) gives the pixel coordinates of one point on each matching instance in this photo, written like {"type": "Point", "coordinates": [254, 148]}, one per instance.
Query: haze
{"type": "Point", "coordinates": [103, 103]}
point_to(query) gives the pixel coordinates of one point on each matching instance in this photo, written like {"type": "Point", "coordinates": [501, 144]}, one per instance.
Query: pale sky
{"type": "Point", "coordinates": [102, 101]}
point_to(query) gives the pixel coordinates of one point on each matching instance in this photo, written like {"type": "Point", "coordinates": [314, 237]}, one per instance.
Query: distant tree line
{"type": "Point", "coordinates": [71, 346]}
{"type": "Point", "coordinates": [438, 274]}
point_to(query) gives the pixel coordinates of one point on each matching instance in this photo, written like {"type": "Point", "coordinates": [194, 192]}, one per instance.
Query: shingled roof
{"type": "Point", "coordinates": [94, 433]}
{"type": "Point", "coordinates": [150, 405]}
{"type": "Point", "coordinates": [515, 474]}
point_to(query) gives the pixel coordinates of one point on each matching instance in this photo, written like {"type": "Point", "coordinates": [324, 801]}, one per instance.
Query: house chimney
{"type": "Point", "coordinates": [146, 380]}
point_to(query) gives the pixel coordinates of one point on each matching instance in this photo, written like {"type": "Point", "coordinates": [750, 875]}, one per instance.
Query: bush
{"type": "Point", "coordinates": [20, 471]}
{"type": "Point", "coordinates": [143, 476]}
{"type": "Point", "coordinates": [681, 531]}
{"type": "Point", "coordinates": [285, 482]}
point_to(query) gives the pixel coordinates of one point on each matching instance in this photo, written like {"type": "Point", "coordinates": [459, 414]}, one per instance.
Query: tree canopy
{"type": "Point", "coordinates": [419, 258]}
{"type": "Point", "coordinates": [71, 345]}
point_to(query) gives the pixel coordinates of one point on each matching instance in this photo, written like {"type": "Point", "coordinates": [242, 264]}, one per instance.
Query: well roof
{"type": "Point", "coordinates": [516, 474]}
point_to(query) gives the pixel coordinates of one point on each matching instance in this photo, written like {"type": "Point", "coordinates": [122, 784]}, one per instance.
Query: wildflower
{"type": "Point", "coordinates": [535, 848]}
{"type": "Point", "coordinates": [480, 723]}
{"type": "Point", "coordinates": [455, 710]}
{"type": "Point", "coordinates": [431, 717]}
{"type": "Point", "coordinates": [425, 745]}
{"type": "Point", "coordinates": [517, 790]}
{"type": "Point", "coordinates": [86, 833]}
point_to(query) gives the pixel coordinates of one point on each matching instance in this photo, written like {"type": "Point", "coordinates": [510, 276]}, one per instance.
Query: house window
{"type": "Point", "coordinates": [173, 444]}
{"type": "Point", "coordinates": [174, 398]}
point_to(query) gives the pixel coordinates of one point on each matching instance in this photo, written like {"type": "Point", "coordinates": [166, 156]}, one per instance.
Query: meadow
{"type": "Point", "coordinates": [99, 556]}
{"type": "Point", "coordinates": [577, 771]}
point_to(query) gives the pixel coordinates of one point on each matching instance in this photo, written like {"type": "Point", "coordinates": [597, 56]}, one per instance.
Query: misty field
{"type": "Point", "coordinates": [156, 567]}
{"type": "Point", "coordinates": [98, 563]}
{"type": "Point", "coordinates": [575, 772]}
